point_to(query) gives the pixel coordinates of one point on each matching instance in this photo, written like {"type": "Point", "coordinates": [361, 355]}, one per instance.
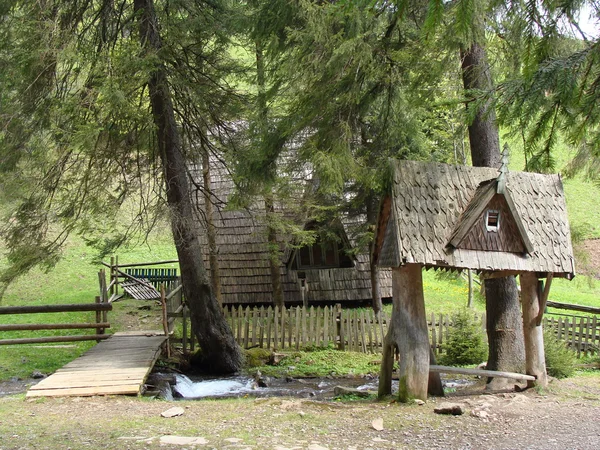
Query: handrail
{"type": "Point", "coordinates": [55, 308]}
{"type": "Point", "coordinates": [155, 263]}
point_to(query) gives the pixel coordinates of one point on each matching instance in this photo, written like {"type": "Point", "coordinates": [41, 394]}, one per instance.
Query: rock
{"type": "Point", "coordinates": [481, 413]}
{"type": "Point", "coordinates": [233, 440]}
{"type": "Point", "coordinates": [449, 408]}
{"type": "Point", "coordinates": [276, 358]}
{"type": "Point", "coordinates": [317, 447]}
{"type": "Point", "coordinates": [183, 440]}
{"type": "Point", "coordinates": [36, 375]}
{"type": "Point", "coordinates": [260, 380]}
{"type": "Point", "coordinates": [342, 390]}
{"type": "Point", "coordinates": [419, 402]}
{"type": "Point", "coordinates": [172, 412]}
{"type": "Point", "coordinates": [377, 424]}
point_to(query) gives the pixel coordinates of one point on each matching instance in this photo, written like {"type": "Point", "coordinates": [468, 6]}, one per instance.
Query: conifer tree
{"type": "Point", "coordinates": [95, 116]}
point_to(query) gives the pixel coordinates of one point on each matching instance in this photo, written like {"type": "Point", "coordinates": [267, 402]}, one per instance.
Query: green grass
{"type": "Point", "coordinates": [324, 362]}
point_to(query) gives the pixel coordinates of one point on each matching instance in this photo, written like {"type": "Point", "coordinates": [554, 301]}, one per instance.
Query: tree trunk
{"type": "Point", "coordinates": [211, 234]}
{"type": "Point", "coordinates": [375, 286]}
{"type": "Point", "coordinates": [220, 352]}
{"type": "Point", "coordinates": [408, 332]}
{"type": "Point", "coordinates": [274, 256]}
{"type": "Point", "coordinates": [504, 329]}
{"type": "Point", "coordinates": [534, 333]}
{"type": "Point", "coordinates": [272, 244]}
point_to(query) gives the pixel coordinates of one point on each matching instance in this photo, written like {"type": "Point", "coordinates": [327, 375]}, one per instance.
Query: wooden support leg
{"type": "Point", "coordinates": [387, 364]}
{"type": "Point", "coordinates": [410, 324]}
{"type": "Point", "coordinates": [535, 360]}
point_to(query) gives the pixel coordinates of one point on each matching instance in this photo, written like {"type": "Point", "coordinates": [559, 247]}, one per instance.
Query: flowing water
{"type": "Point", "coordinates": [183, 387]}
{"type": "Point", "coordinates": [240, 386]}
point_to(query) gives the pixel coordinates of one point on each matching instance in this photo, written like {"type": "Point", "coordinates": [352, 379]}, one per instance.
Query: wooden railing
{"type": "Point", "coordinates": [155, 276]}
{"type": "Point", "coordinates": [100, 325]}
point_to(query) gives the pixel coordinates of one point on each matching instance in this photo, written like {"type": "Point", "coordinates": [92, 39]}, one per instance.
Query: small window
{"type": "Point", "coordinates": [492, 220]}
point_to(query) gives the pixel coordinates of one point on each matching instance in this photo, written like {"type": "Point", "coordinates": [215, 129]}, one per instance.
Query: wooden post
{"type": "Point", "coordinates": [410, 324]}
{"type": "Point", "coordinates": [113, 286]}
{"type": "Point", "coordinates": [163, 303]}
{"type": "Point", "coordinates": [535, 363]}
{"type": "Point", "coordinates": [340, 327]}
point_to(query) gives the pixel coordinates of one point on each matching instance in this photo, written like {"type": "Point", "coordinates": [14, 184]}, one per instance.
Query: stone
{"type": "Point", "coordinates": [377, 424]}
{"type": "Point", "coordinates": [172, 412]}
{"type": "Point", "coordinates": [36, 375]}
{"type": "Point", "coordinates": [317, 447]}
{"type": "Point", "coordinates": [338, 391]}
{"type": "Point", "coordinates": [183, 440]}
{"type": "Point", "coordinates": [481, 413]}
{"type": "Point", "coordinates": [454, 409]}
{"type": "Point", "coordinates": [233, 440]}
{"type": "Point", "coordinates": [276, 358]}
{"type": "Point", "coordinates": [419, 402]}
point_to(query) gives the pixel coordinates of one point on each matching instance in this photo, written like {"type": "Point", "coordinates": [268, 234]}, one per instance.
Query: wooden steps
{"type": "Point", "coordinates": [118, 365]}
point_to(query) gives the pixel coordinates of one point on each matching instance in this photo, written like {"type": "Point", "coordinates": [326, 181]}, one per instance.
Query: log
{"type": "Point", "coordinates": [50, 339]}
{"type": "Point", "coordinates": [572, 307]}
{"type": "Point", "coordinates": [55, 308]}
{"type": "Point", "coordinates": [155, 263]}
{"type": "Point", "coordinates": [481, 372]}
{"type": "Point", "coordinates": [51, 326]}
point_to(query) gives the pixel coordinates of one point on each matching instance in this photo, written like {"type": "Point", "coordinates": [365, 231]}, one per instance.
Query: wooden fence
{"type": "Point", "coordinates": [581, 333]}
{"type": "Point", "coordinates": [357, 330]}
{"type": "Point", "coordinates": [101, 323]}
{"type": "Point", "coordinates": [361, 330]}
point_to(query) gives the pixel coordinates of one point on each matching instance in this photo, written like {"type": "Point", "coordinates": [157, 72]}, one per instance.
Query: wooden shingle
{"type": "Point", "coordinates": [243, 257]}
{"type": "Point", "coordinates": [434, 210]}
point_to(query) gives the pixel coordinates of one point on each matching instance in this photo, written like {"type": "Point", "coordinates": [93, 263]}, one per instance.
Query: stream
{"type": "Point", "coordinates": [184, 387]}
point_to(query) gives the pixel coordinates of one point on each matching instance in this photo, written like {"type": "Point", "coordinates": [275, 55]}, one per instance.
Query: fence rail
{"type": "Point", "coordinates": [100, 308]}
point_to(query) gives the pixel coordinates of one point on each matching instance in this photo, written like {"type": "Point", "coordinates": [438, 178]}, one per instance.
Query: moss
{"type": "Point", "coordinates": [257, 357]}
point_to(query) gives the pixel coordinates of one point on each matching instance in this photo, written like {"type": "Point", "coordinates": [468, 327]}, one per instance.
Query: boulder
{"type": "Point", "coordinates": [454, 409]}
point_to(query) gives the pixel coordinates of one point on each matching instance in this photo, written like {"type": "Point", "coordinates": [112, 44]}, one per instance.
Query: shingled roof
{"type": "Point", "coordinates": [244, 259]}
{"type": "Point", "coordinates": [435, 213]}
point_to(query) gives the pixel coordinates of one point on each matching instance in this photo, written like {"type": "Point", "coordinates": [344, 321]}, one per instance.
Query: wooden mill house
{"type": "Point", "coordinates": [323, 272]}
{"type": "Point", "coordinates": [497, 223]}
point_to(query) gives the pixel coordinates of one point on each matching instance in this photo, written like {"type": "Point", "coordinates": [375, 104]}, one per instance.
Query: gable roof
{"type": "Point", "coordinates": [484, 195]}
{"type": "Point", "coordinates": [431, 205]}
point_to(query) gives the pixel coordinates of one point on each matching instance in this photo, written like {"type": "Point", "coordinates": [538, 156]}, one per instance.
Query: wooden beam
{"type": "Point", "coordinates": [572, 307]}
{"type": "Point", "coordinates": [481, 372]}
{"type": "Point", "coordinates": [55, 308]}
{"type": "Point", "coordinates": [155, 263]}
{"type": "Point", "coordinates": [52, 326]}
{"type": "Point", "coordinates": [50, 339]}
{"type": "Point", "coordinates": [544, 299]}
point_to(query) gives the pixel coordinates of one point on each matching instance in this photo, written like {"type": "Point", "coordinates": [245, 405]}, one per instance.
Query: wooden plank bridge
{"type": "Point", "coordinates": [118, 365]}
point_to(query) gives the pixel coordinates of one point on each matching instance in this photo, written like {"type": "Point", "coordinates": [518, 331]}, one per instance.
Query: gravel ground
{"type": "Point", "coordinates": [563, 417]}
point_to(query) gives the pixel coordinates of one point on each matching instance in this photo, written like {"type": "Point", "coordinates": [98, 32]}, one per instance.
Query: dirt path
{"type": "Point", "coordinates": [564, 417]}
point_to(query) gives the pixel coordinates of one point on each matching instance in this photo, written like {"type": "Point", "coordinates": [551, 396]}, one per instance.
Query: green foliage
{"type": "Point", "coordinates": [560, 360]}
{"type": "Point", "coordinates": [322, 363]}
{"type": "Point", "coordinates": [466, 341]}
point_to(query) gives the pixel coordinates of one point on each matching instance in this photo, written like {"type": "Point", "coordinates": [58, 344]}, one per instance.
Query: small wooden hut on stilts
{"type": "Point", "coordinates": [498, 223]}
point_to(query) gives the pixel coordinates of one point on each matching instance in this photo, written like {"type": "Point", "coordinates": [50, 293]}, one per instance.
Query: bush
{"type": "Point", "coordinates": [560, 360]}
{"type": "Point", "coordinates": [466, 342]}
